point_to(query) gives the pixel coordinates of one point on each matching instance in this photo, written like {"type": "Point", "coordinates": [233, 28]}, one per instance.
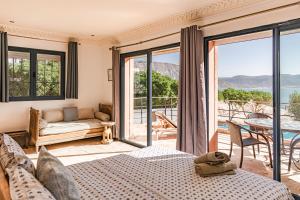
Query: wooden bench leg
{"type": "Point", "coordinates": [37, 148]}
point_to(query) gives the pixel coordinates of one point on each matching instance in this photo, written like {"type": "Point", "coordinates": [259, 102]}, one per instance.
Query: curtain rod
{"type": "Point", "coordinates": [211, 24]}
{"type": "Point", "coordinates": [36, 38]}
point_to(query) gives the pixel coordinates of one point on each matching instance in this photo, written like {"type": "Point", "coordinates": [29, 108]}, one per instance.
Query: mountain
{"type": "Point", "coordinates": [239, 82]}
{"type": "Point", "coordinates": [167, 69]}
{"type": "Point", "coordinates": [264, 81]}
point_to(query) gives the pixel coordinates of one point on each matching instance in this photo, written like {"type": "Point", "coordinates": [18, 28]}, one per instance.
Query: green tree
{"type": "Point", "coordinates": [162, 86]}
{"type": "Point", "coordinates": [237, 99]}
{"type": "Point", "coordinates": [294, 105]}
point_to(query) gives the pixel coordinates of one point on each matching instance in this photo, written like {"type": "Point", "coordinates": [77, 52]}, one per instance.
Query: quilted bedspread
{"type": "Point", "coordinates": [158, 173]}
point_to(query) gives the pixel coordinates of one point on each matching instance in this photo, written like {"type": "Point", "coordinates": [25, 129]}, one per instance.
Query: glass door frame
{"type": "Point", "coordinates": [276, 28]}
{"type": "Point", "coordinates": [123, 57]}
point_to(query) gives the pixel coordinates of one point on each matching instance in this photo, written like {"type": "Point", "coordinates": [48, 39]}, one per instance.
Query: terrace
{"type": "Point", "coordinates": [228, 110]}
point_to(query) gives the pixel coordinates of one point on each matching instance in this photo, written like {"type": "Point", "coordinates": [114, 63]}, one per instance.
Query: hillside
{"type": "Point", "coordinates": [265, 81]}
{"type": "Point", "coordinates": [167, 69]}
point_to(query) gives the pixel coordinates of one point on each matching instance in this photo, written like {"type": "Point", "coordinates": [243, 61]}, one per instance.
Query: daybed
{"type": "Point", "coordinates": [56, 130]}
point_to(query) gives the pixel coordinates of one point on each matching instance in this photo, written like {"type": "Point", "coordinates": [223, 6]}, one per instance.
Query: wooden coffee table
{"type": "Point", "coordinates": [107, 133]}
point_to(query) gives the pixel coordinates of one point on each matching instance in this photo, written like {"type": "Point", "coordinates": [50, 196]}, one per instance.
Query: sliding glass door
{"type": "Point", "coordinates": [290, 107]}
{"type": "Point", "coordinates": [149, 89]}
{"type": "Point", "coordinates": [253, 81]}
{"type": "Point", "coordinates": [135, 101]}
{"type": "Point", "coordinates": [241, 76]}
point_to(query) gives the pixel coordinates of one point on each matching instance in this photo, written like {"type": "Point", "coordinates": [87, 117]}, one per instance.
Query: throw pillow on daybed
{"type": "Point", "coordinates": [55, 115]}
{"type": "Point", "coordinates": [102, 116]}
{"type": "Point", "coordinates": [70, 114]}
{"type": "Point", "coordinates": [86, 113]}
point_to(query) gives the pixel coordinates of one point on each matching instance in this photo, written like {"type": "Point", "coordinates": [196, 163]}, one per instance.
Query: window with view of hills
{"type": "Point", "coordinates": [35, 74]}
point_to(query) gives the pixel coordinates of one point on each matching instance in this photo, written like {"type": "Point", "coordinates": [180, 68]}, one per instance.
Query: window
{"type": "Point", "coordinates": [36, 74]}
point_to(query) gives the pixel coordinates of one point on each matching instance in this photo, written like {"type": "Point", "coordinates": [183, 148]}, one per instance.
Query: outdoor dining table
{"type": "Point", "coordinates": [267, 124]}
{"type": "Point", "coordinates": [285, 125]}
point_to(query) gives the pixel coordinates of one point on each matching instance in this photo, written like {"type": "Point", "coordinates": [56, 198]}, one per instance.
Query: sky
{"type": "Point", "coordinates": [251, 58]}
{"type": "Point", "coordinates": [167, 58]}
{"type": "Point", "coordinates": [254, 58]}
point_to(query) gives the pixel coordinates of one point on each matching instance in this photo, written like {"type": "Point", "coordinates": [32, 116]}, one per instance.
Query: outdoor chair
{"type": "Point", "coordinates": [235, 132]}
{"type": "Point", "coordinates": [295, 142]}
{"type": "Point", "coordinates": [162, 124]}
{"type": "Point", "coordinates": [257, 129]}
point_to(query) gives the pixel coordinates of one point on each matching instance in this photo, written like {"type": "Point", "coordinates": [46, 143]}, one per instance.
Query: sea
{"type": "Point", "coordinates": [285, 92]}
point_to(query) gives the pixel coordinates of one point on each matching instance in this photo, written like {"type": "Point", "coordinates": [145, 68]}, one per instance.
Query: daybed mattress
{"type": "Point", "coordinates": [55, 128]}
{"type": "Point", "coordinates": [158, 173]}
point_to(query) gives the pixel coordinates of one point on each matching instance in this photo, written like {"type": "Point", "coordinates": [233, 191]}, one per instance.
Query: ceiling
{"type": "Point", "coordinates": [102, 18]}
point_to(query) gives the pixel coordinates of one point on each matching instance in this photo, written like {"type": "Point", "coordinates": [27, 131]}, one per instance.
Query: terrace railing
{"type": "Point", "coordinates": [168, 106]}
{"type": "Point", "coordinates": [236, 109]}
{"type": "Point", "coordinates": [165, 105]}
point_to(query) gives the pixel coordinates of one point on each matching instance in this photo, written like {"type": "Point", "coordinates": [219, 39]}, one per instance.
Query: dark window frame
{"type": "Point", "coordinates": [33, 74]}
{"type": "Point", "coordinates": [123, 56]}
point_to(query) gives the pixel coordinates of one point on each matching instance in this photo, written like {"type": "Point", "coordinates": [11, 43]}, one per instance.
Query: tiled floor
{"type": "Point", "coordinates": [83, 150]}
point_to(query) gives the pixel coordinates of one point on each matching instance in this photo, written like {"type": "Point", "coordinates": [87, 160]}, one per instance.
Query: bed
{"type": "Point", "coordinates": [159, 173]}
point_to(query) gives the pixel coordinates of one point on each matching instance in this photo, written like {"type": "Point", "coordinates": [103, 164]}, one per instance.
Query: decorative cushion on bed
{"type": "Point", "coordinates": [11, 154]}
{"type": "Point", "coordinates": [53, 115]}
{"type": "Point", "coordinates": [86, 113]}
{"type": "Point", "coordinates": [102, 116]}
{"type": "Point", "coordinates": [23, 185]}
{"type": "Point", "coordinates": [56, 177]}
{"type": "Point", "coordinates": [70, 114]}
{"type": "Point", "coordinates": [67, 127]}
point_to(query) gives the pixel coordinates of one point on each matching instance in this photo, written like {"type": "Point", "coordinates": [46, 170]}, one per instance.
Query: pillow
{"type": "Point", "coordinates": [70, 114]}
{"type": "Point", "coordinates": [86, 113]}
{"type": "Point", "coordinates": [102, 116]}
{"type": "Point", "coordinates": [56, 177]}
{"type": "Point", "coordinates": [42, 123]}
{"type": "Point", "coordinates": [11, 155]}
{"type": "Point", "coordinates": [23, 185]}
{"type": "Point", "coordinates": [53, 115]}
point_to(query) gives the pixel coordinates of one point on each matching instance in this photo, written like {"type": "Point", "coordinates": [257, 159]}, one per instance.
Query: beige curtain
{"type": "Point", "coordinates": [4, 94]}
{"type": "Point", "coordinates": [192, 127]}
{"type": "Point", "coordinates": [116, 91]}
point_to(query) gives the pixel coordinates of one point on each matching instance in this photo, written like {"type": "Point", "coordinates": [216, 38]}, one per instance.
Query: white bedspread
{"type": "Point", "coordinates": [158, 173]}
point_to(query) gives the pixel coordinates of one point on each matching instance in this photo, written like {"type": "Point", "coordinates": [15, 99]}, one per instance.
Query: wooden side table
{"type": "Point", "coordinates": [21, 137]}
{"type": "Point", "coordinates": [107, 133]}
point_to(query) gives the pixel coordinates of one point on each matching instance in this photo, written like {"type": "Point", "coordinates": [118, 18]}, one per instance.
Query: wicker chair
{"type": "Point", "coordinates": [293, 146]}
{"type": "Point", "coordinates": [235, 132]}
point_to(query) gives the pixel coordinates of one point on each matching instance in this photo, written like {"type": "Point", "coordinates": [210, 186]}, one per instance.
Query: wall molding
{"type": "Point", "coordinates": [180, 20]}
{"type": "Point", "coordinates": [223, 9]}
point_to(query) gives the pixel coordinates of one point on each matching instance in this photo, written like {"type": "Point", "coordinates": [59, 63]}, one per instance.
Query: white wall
{"type": "Point", "coordinates": [93, 84]}
{"type": "Point", "coordinates": [94, 60]}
